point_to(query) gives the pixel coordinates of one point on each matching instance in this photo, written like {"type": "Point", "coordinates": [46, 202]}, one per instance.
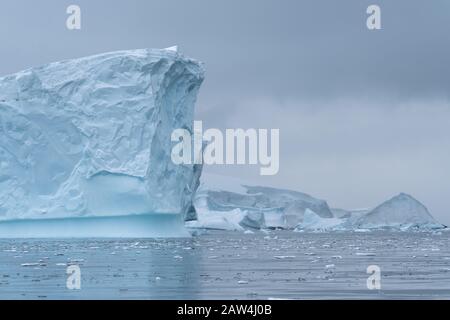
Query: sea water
{"type": "Point", "coordinates": [230, 265]}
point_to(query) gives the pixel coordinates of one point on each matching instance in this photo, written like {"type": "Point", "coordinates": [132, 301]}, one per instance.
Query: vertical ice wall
{"type": "Point", "coordinates": [91, 136]}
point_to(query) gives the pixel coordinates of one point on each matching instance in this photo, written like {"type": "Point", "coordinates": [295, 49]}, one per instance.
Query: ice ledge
{"type": "Point", "coordinates": [130, 226]}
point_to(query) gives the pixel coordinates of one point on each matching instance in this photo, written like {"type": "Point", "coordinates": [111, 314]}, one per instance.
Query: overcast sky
{"type": "Point", "coordinates": [363, 115]}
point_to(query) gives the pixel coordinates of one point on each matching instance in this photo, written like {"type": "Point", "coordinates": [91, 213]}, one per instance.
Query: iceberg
{"type": "Point", "coordinates": [313, 222]}
{"type": "Point", "coordinates": [218, 220]}
{"type": "Point", "coordinates": [402, 212]}
{"type": "Point", "coordinates": [232, 204]}
{"type": "Point", "coordinates": [259, 207]}
{"type": "Point", "coordinates": [91, 137]}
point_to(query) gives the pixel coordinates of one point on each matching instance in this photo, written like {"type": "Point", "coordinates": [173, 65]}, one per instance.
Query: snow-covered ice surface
{"type": "Point", "coordinates": [231, 265]}
{"type": "Point", "coordinates": [92, 136]}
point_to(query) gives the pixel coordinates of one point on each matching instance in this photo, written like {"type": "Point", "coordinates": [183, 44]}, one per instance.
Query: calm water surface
{"type": "Point", "coordinates": [230, 265]}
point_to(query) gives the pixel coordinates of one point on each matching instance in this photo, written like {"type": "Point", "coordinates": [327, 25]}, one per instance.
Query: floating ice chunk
{"type": "Point", "coordinates": [362, 230]}
{"type": "Point", "coordinates": [313, 222]}
{"type": "Point", "coordinates": [284, 257]}
{"type": "Point", "coordinates": [218, 220]}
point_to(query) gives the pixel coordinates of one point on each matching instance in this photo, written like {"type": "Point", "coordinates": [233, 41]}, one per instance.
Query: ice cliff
{"type": "Point", "coordinates": [91, 136]}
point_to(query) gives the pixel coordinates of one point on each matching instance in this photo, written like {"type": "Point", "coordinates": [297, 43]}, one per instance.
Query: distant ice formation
{"type": "Point", "coordinates": [232, 204]}
{"type": "Point", "coordinates": [91, 136]}
{"type": "Point", "coordinates": [235, 204]}
{"type": "Point", "coordinates": [401, 212]}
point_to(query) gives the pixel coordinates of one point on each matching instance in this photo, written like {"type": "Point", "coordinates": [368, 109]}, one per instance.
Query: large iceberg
{"type": "Point", "coordinates": [232, 204]}
{"type": "Point", "coordinates": [92, 136]}
{"type": "Point", "coordinates": [402, 212]}
{"type": "Point", "coordinates": [229, 203]}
